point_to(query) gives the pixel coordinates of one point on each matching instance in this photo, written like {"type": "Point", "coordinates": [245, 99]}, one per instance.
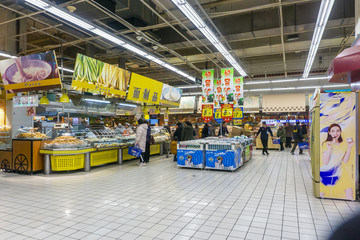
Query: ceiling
{"type": "Point", "coordinates": [271, 38]}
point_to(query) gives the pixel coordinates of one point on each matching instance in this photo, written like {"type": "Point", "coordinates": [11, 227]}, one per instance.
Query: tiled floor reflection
{"type": "Point", "coordinates": [268, 198]}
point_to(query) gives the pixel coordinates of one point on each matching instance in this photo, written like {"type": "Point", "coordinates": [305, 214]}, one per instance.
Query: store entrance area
{"type": "Point", "coordinates": [270, 197]}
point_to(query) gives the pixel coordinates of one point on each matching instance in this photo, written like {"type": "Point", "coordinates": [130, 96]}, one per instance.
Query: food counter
{"type": "Point", "coordinates": [271, 145]}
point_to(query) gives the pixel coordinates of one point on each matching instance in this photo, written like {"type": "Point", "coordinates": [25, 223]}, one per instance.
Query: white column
{"type": "Point", "coordinates": [357, 18]}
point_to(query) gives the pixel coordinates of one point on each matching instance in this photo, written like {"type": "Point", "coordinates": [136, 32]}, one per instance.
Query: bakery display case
{"type": "Point", "coordinates": [5, 149]}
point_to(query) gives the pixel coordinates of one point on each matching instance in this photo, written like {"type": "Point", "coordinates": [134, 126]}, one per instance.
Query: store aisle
{"type": "Point", "coordinates": [268, 198]}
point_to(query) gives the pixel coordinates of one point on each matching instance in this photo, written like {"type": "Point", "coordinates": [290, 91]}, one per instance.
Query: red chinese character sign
{"type": "Point", "coordinates": [227, 112]}
{"type": "Point", "coordinates": [207, 112]}
{"type": "Point", "coordinates": [208, 86]}
{"type": "Point", "coordinates": [238, 91]}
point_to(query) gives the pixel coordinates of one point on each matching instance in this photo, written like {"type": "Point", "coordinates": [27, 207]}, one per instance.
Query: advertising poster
{"type": "Point", "coordinates": [207, 113]}
{"type": "Point", "coordinates": [94, 76]}
{"type": "Point", "coordinates": [338, 155]}
{"type": "Point", "coordinates": [238, 91]}
{"type": "Point", "coordinates": [223, 159]}
{"type": "Point", "coordinates": [26, 101]}
{"type": "Point", "coordinates": [170, 96]}
{"type": "Point", "coordinates": [227, 84]}
{"type": "Point", "coordinates": [32, 72]}
{"type": "Point", "coordinates": [217, 115]}
{"type": "Point", "coordinates": [219, 96]}
{"type": "Point", "coordinates": [227, 112]}
{"type": "Point", "coordinates": [190, 158]}
{"type": "Point", "coordinates": [238, 113]}
{"type": "Point", "coordinates": [208, 86]}
{"type": "Point", "coordinates": [144, 89]}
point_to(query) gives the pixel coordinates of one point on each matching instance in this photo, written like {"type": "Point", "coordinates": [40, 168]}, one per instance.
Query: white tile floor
{"type": "Point", "coordinates": [268, 198]}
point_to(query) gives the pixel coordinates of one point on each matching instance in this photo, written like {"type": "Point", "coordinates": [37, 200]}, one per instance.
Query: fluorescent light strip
{"type": "Point", "coordinates": [127, 105]}
{"type": "Point", "coordinates": [84, 24]}
{"type": "Point", "coordinates": [190, 13]}
{"type": "Point", "coordinates": [66, 69]}
{"type": "Point", "coordinates": [308, 87]}
{"type": "Point", "coordinates": [96, 100]}
{"type": "Point", "coordinates": [6, 55]}
{"type": "Point", "coordinates": [257, 82]}
{"type": "Point", "coordinates": [323, 16]}
{"type": "Point", "coordinates": [338, 85]}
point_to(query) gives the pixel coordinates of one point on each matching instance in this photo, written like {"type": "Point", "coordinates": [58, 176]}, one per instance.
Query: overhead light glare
{"type": "Point", "coordinates": [96, 100]}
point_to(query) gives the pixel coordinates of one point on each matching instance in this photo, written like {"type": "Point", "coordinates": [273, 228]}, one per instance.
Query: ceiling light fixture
{"type": "Point", "coordinates": [73, 19]}
{"type": "Point", "coordinates": [324, 12]}
{"type": "Point", "coordinates": [190, 13]}
{"type": "Point", "coordinates": [7, 55]}
{"type": "Point", "coordinates": [127, 105]}
{"type": "Point", "coordinates": [96, 100]}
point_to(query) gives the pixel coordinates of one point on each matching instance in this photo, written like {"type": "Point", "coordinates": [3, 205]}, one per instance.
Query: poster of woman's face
{"type": "Point", "coordinates": [337, 148]}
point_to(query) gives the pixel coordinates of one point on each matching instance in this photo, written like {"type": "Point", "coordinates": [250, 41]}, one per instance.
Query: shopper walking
{"type": "Point", "coordinates": [149, 140]}
{"type": "Point", "coordinates": [289, 133]}
{"type": "Point", "coordinates": [298, 137]}
{"type": "Point", "coordinates": [187, 132]}
{"type": "Point", "coordinates": [263, 131]}
{"type": "Point", "coordinates": [178, 131]}
{"type": "Point", "coordinates": [223, 131]}
{"type": "Point", "coordinates": [140, 138]}
{"type": "Point", "coordinates": [212, 130]}
{"type": "Point", "coordinates": [304, 131]}
{"type": "Point", "coordinates": [282, 135]}
{"type": "Point", "coordinates": [197, 131]}
{"type": "Point", "coordinates": [205, 131]}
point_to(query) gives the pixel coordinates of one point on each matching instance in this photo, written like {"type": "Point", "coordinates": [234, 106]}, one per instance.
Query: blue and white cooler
{"type": "Point", "coordinates": [223, 156]}
{"type": "Point", "coordinates": [190, 154]}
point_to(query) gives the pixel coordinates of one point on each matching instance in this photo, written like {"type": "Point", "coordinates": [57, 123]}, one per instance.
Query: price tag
{"type": "Point", "coordinates": [227, 112]}
{"type": "Point", "coordinates": [207, 112]}
{"type": "Point", "coordinates": [238, 113]}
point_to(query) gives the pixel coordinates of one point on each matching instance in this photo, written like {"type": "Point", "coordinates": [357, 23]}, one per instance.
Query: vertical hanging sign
{"type": "Point", "coordinates": [208, 86]}
{"type": "Point", "coordinates": [219, 96]}
{"type": "Point", "coordinates": [227, 84]}
{"type": "Point", "coordinates": [217, 115]}
{"type": "Point", "coordinates": [238, 91]}
{"type": "Point", "coordinates": [207, 112]}
{"type": "Point", "coordinates": [227, 112]}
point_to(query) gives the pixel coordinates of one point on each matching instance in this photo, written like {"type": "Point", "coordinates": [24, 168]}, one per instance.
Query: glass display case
{"type": "Point", "coordinates": [29, 133]}
{"type": "Point", "coordinates": [160, 134]}
{"type": "Point", "coordinates": [62, 139]}
{"type": "Point", "coordinates": [5, 138]}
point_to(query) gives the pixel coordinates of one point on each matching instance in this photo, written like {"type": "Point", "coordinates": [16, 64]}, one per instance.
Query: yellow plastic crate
{"type": "Point", "coordinates": [66, 163]}
{"type": "Point", "coordinates": [103, 157]}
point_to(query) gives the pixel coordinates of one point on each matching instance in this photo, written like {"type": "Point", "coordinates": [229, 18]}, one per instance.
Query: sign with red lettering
{"type": "Point", "coordinates": [207, 112]}
{"type": "Point", "coordinates": [227, 112]}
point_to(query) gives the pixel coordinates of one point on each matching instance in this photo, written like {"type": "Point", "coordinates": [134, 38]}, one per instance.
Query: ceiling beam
{"type": "Point", "coordinates": [282, 36]}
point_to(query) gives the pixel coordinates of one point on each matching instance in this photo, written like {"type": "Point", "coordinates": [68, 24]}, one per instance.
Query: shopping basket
{"type": "Point", "coordinates": [303, 145]}
{"type": "Point", "coordinates": [276, 141]}
{"type": "Point", "coordinates": [135, 151]}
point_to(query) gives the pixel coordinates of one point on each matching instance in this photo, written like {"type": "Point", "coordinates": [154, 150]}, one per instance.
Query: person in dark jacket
{"type": "Point", "coordinates": [211, 130]}
{"type": "Point", "coordinates": [223, 131]}
{"type": "Point", "coordinates": [289, 133]}
{"type": "Point", "coordinates": [178, 131]}
{"type": "Point", "coordinates": [304, 131]}
{"type": "Point", "coordinates": [187, 132]}
{"type": "Point", "coordinates": [298, 137]}
{"type": "Point", "coordinates": [263, 131]}
{"type": "Point", "coordinates": [281, 134]}
{"type": "Point", "coordinates": [205, 131]}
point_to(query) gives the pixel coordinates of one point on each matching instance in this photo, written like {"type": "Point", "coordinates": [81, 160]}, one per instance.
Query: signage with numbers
{"type": "Point", "coordinates": [217, 115]}
{"type": "Point", "coordinates": [238, 113]}
{"type": "Point", "coordinates": [207, 112]}
{"type": "Point", "coordinates": [227, 112]}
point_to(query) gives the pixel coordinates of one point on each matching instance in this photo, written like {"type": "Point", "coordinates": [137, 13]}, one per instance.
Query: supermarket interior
{"type": "Point", "coordinates": [179, 119]}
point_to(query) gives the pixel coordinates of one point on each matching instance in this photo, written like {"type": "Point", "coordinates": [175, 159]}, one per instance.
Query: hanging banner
{"type": "Point", "coordinates": [237, 122]}
{"type": "Point", "coordinates": [26, 101]}
{"type": "Point", "coordinates": [208, 86]}
{"type": "Point", "coordinates": [32, 72]}
{"type": "Point", "coordinates": [217, 115]}
{"type": "Point", "coordinates": [227, 83]}
{"type": "Point", "coordinates": [207, 113]}
{"type": "Point", "coordinates": [170, 96]}
{"type": "Point", "coordinates": [227, 112]}
{"type": "Point", "coordinates": [338, 155]}
{"type": "Point", "coordinates": [238, 91]}
{"type": "Point", "coordinates": [219, 95]}
{"type": "Point", "coordinates": [144, 89]}
{"type": "Point", "coordinates": [94, 76]}
{"type": "Point", "coordinates": [238, 113]}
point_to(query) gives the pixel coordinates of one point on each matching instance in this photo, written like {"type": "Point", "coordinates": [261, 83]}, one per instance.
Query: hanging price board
{"type": "Point", "coordinates": [207, 112]}
{"type": "Point", "coordinates": [227, 112]}
{"type": "Point", "coordinates": [217, 115]}
{"type": "Point", "coordinates": [237, 122]}
{"type": "Point", "coordinates": [238, 113]}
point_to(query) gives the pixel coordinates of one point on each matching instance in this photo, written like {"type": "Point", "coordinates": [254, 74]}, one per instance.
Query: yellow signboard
{"type": "Point", "coordinates": [92, 75]}
{"type": "Point", "coordinates": [144, 89]}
